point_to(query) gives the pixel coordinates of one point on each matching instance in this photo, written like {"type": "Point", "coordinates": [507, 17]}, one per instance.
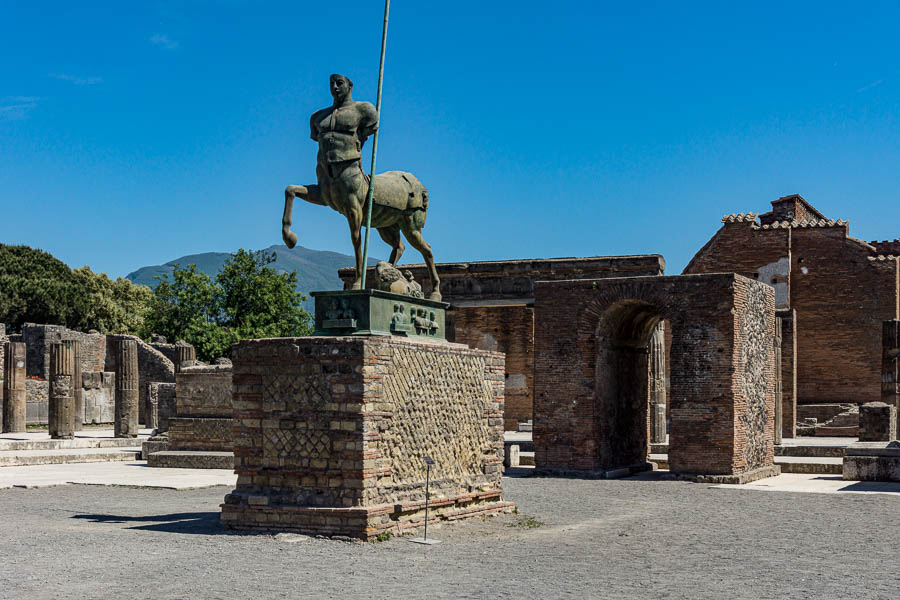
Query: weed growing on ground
{"type": "Point", "coordinates": [526, 522]}
{"type": "Point", "coordinates": [383, 537]}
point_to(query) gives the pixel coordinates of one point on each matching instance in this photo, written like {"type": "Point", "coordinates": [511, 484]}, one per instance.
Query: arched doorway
{"type": "Point", "coordinates": [622, 383]}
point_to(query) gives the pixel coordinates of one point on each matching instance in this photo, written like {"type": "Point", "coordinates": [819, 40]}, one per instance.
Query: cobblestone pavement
{"type": "Point", "coordinates": [570, 539]}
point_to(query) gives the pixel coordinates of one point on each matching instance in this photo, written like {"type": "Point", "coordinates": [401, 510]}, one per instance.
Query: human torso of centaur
{"type": "Point", "coordinates": [342, 131]}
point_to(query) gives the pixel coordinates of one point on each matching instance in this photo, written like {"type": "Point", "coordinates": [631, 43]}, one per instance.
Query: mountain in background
{"type": "Point", "coordinates": [316, 269]}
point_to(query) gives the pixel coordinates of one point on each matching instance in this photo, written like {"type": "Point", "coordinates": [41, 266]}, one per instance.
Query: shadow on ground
{"type": "Point", "coordinates": [204, 523]}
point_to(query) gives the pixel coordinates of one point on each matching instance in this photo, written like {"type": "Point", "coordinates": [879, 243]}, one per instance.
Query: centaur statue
{"type": "Point", "coordinates": [400, 201]}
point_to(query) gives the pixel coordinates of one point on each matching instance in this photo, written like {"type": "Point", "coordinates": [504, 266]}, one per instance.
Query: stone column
{"type": "Point", "coordinates": [890, 364]}
{"type": "Point", "coordinates": [62, 391]}
{"type": "Point", "coordinates": [14, 406]}
{"type": "Point", "coordinates": [779, 390]}
{"type": "Point", "coordinates": [126, 423]}
{"type": "Point", "coordinates": [78, 388]}
{"type": "Point", "coordinates": [658, 385]}
{"type": "Point", "coordinates": [185, 356]}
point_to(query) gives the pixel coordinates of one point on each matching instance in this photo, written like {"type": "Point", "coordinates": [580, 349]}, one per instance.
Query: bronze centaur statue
{"type": "Point", "coordinates": [400, 203]}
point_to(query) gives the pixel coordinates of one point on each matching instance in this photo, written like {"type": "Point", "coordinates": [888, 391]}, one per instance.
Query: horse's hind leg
{"type": "Point", "coordinates": [418, 242]}
{"type": "Point", "coordinates": [391, 236]}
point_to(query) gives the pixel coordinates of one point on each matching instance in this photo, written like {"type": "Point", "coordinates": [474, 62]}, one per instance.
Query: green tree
{"type": "Point", "coordinates": [36, 287]}
{"type": "Point", "coordinates": [113, 306]}
{"type": "Point", "coordinates": [248, 299]}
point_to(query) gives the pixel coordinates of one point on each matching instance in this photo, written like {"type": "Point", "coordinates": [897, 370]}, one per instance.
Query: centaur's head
{"type": "Point", "coordinates": [341, 88]}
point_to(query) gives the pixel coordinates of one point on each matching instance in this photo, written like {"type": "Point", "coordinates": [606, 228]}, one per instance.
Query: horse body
{"type": "Point", "coordinates": [400, 205]}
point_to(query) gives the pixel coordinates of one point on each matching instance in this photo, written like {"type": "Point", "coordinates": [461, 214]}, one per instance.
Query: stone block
{"type": "Point", "coordinates": [872, 461]}
{"type": "Point", "coordinates": [877, 422]}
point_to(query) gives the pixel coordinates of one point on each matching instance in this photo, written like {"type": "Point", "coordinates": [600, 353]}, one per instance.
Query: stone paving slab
{"type": "Point", "coordinates": [136, 474]}
{"type": "Point", "coordinates": [21, 458]}
{"type": "Point", "coordinates": [817, 484]}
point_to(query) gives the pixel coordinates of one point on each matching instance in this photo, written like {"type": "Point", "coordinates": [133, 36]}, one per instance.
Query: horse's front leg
{"type": "Point", "coordinates": [310, 193]}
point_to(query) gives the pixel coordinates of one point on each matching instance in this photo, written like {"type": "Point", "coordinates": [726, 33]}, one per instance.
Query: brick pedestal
{"type": "Point", "coordinates": [331, 433]}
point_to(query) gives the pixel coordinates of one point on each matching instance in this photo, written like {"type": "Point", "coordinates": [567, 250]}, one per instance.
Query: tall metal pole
{"type": "Point", "coordinates": [370, 198]}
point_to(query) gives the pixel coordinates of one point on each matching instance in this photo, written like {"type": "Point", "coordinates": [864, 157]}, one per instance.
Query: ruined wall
{"type": "Point", "coordinates": [163, 396]}
{"type": "Point", "coordinates": [153, 366]}
{"type": "Point", "coordinates": [341, 426]}
{"type": "Point", "coordinates": [591, 378]}
{"type": "Point", "coordinates": [508, 329]}
{"type": "Point", "coordinates": [99, 397]}
{"type": "Point", "coordinates": [788, 372]}
{"type": "Point", "coordinates": [491, 307]}
{"type": "Point", "coordinates": [840, 287]}
{"type": "Point", "coordinates": [37, 398]}
{"type": "Point", "coordinates": [38, 339]}
{"type": "Point", "coordinates": [841, 298]}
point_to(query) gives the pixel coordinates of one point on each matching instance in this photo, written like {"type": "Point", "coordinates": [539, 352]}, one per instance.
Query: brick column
{"type": "Point", "coordinates": [788, 366]}
{"type": "Point", "coordinates": [890, 364]}
{"type": "Point", "coordinates": [778, 383]}
{"type": "Point", "coordinates": [658, 385]}
{"type": "Point", "coordinates": [126, 423]}
{"type": "Point", "coordinates": [14, 387]}
{"type": "Point", "coordinates": [62, 393]}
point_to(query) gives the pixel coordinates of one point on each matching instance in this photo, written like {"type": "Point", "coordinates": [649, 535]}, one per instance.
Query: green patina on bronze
{"type": "Point", "coordinates": [375, 312]}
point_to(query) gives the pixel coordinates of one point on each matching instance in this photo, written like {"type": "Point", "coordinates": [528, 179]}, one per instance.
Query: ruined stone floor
{"type": "Point", "coordinates": [629, 538]}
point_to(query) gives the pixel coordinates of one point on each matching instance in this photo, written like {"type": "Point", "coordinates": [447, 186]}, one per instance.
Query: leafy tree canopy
{"type": "Point", "coordinates": [35, 287]}
{"type": "Point", "coordinates": [247, 299]}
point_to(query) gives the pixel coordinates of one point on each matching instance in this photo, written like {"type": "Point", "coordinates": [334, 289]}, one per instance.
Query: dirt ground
{"type": "Point", "coordinates": [570, 539]}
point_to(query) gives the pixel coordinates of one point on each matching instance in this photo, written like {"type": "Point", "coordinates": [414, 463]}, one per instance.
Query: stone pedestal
{"type": "Point", "coordinates": [331, 434]}
{"type": "Point", "coordinates": [877, 422]}
{"type": "Point", "coordinates": [62, 390]}
{"type": "Point", "coordinates": [200, 434]}
{"type": "Point", "coordinates": [14, 406]}
{"type": "Point", "coordinates": [126, 423]}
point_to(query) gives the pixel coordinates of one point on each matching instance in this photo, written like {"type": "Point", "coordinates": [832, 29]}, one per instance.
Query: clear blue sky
{"type": "Point", "coordinates": [133, 133]}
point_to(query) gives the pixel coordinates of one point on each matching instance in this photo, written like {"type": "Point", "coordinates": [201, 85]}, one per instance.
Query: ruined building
{"type": "Point", "coordinates": [492, 308]}
{"type": "Point", "coordinates": [833, 293]}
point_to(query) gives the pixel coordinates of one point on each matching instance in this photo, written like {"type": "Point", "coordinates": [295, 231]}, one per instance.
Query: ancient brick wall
{"type": "Point", "coordinates": [591, 392]}
{"type": "Point", "coordinates": [788, 372]}
{"type": "Point", "coordinates": [344, 424]}
{"type": "Point", "coordinates": [755, 252]}
{"type": "Point", "coordinates": [841, 288]}
{"type": "Point", "coordinates": [38, 339]}
{"type": "Point", "coordinates": [508, 329]}
{"type": "Point", "coordinates": [841, 298]}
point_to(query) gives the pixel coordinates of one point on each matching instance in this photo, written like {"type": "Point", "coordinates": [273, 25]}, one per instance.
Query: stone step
{"type": "Point", "coordinates": [13, 445]}
{"type": "Point", "coordinates": [661, 459]}
{"type": "Point", "coordinates": [191, 459]}
{"type": "Point", "coordinates": [27, 458]}
{"type": "Point", "coordinates": [811, 465]}
{"type": "Point", "coordinates": [811, 451]}
{"type": "Point", "coordinates": [828, 431]}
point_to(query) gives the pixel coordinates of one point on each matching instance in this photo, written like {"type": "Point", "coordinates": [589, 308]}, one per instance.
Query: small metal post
{"type": "Point", "coordinates": [424, 540]}
{"type": "Point", "coordinates": [427, 480]}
